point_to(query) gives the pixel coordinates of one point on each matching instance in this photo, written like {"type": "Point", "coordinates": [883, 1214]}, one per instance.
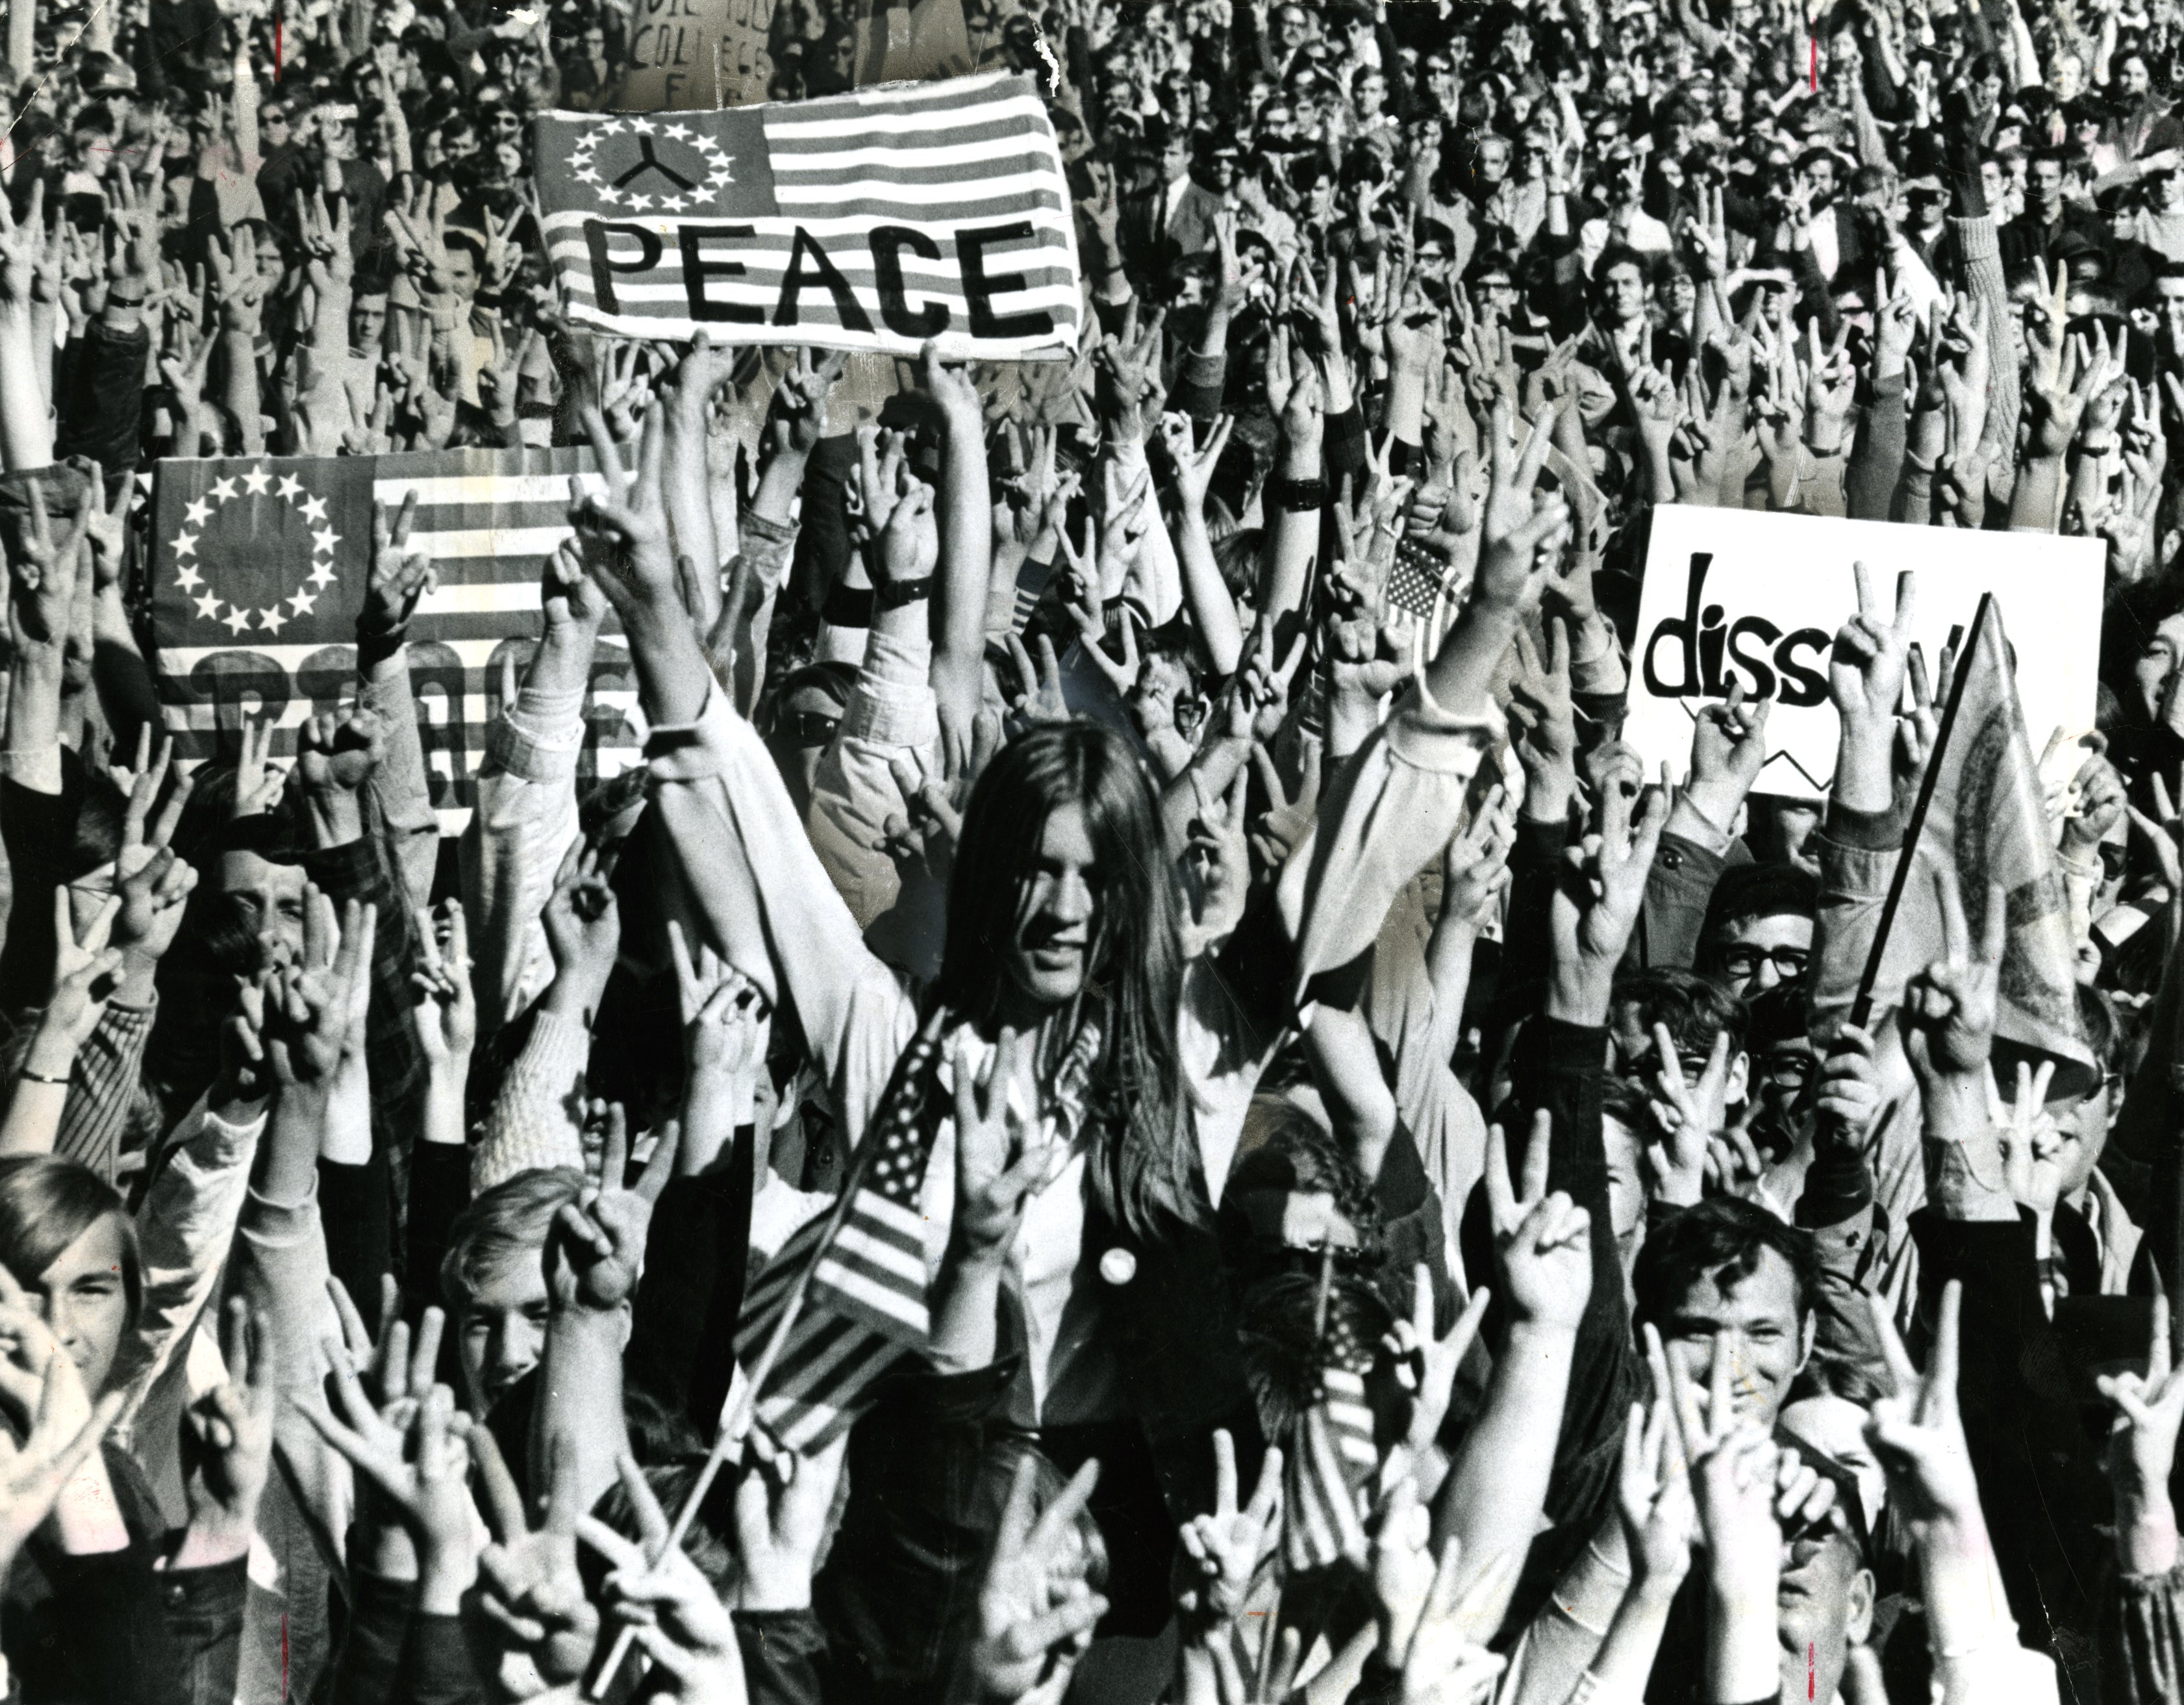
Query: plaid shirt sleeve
{"type": "Point", "coordinates": [102, 1084]}
{"type": "Point", "coordinates": [103, 1088]}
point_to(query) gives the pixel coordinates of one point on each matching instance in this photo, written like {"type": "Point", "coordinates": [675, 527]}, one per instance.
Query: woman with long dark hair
{"type": "Point", "coordinates": [1063, 957]}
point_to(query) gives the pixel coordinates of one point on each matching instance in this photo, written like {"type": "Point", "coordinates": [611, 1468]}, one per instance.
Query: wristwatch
{"type": "Point", "coordinates": [897, 592]}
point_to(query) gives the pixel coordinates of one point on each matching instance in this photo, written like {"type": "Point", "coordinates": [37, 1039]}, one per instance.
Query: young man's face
{"type": "Point", "coordinates": [1623, 294]}
{"type": "Point", "coordinates": [367, 324]}
{"type": "Point", "coordinates": [462, 271]}
{"type": "Point", "coordinates": [503, 1327]}
{"type": "Point", "coordinates": [83, 1301]}
{"type": "Point", "coordinates": [1761, 953]}
{"type": "Point", "coordinates": [2085, 1122]}
{"type": "Point", "coordinates": [1757, 1319]}
{"type": "Point", "coordinates": [2045, 179]}
{"type": "Point", "coordinates": [267, 900]}
{"type": "Point", "coordinates": [94, 150]}
{"type": "Point", "coordinates": [1781, 1073]}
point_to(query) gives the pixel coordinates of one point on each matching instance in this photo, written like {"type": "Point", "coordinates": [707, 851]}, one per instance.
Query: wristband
{"type": "Point", "coordinates": [29, 1076]}
{"type": "Point", "coordinates": [898, 593]}
{"type": "Point", "coordinates": [848, 606]}
{"type": "Point", "coordinates": [114, 299]}
{"type": "Point", "coordinates": [1299, 496]}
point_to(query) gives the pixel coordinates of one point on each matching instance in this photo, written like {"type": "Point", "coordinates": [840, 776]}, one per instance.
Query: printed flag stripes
{"type": "Point", "coordinates": [866, 1305]}
{"type": "Point", "coordinates": [873, 221]}
{"type": "Point", "coordinates": [260, 566]}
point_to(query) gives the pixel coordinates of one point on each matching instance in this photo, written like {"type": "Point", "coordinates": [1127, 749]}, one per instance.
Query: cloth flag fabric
{"type": "Point", "coordinates": [1331, 1460]}
{"type": "Point", "coordinates": [874, 220]}
{"type": "Point", "coordinates": [865, 1307]}
{"type": "Point", "coordinates": [1987, 817]}
{"type": "Point", "coordinates": [1415, 580]}
{"type": "Point", "coordinates": [260, 565]}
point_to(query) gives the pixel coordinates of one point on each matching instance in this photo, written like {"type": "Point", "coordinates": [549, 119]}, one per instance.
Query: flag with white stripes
{"type": "Point", "coordinates": [874, 220]}
{"type": "Point", "coordinates": [260, 566]}
{"type": "Point", "coordinates": [1331, 1461]}
{"type": "Point", "coordinates": [866, 1305]}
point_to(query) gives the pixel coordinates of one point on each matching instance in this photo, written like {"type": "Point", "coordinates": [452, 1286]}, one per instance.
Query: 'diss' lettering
{"type": "Point", "coordinates": [1703, 642]}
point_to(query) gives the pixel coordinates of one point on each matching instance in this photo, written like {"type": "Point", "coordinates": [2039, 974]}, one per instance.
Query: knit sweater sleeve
{"type": "Point", "coordinates": [533, 1123]}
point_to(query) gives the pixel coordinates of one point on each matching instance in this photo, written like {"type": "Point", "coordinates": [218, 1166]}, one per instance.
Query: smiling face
{"type": "Point", "coordinates": [1057, 911]}
{"type": "Point", "coordinates": [83, 1299]}
{"type": "Point", "coordinates": [1757, 1317]}
{"type": "Point", "coordinates": [268, 901]}
{"type": "Point", "coordinates": [503, 1327]}
{"type": "Point", "coordinates": [1623, 294]}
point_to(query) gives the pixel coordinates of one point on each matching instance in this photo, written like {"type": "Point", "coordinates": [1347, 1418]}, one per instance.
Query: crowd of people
{"type": "Point", "coordinates": [1374, 1193]}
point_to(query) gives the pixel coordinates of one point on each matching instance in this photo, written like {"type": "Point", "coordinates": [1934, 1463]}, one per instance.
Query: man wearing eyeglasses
{"type": "Point", "coordinates": [1758, 929]}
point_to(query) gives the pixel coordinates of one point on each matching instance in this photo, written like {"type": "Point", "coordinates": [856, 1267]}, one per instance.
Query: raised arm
{"type": "Point", "coordinates": [401, 577]}
{"type": "Point", "coordinates": [965, 515]}
{"type": "Point", "coordinates": [27, 432]}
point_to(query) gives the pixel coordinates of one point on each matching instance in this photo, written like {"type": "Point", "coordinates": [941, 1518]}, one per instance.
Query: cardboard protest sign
{"type": "Point", "coordinates": [250, 617]}
{"type": "Point", "coordinates": [1743, 595]}
{"type": "Point", "coordinates": [674, 49]}
{"type": "Point", "coordinates": [873, 221]}
{"type": "Point", "coordinates": [744, 66]}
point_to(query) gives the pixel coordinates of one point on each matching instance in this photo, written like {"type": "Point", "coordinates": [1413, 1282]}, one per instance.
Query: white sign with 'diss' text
{"type": "Point", "coordinates": [1743, 595]}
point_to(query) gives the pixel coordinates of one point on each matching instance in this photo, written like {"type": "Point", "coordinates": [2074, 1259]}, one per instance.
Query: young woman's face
{"type": "Point", "coordinates": [1057, 910]}
{"type": "Point", "coordinates": [83, 1301]}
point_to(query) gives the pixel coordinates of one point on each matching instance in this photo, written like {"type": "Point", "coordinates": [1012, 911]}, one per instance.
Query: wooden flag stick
{"type": "Point", "coordinates": [728, 1444]}
{"type": "Point", "coordinates": [1861, 1009]}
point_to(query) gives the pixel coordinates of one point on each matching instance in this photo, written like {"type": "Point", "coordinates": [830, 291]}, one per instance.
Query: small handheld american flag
{"type": "Point", "coordinates": [1332, 1455]}
{"type": "Point", "coordinates": [866, 1305]}
{"type": "Point", "coordinates": [1416, 579]}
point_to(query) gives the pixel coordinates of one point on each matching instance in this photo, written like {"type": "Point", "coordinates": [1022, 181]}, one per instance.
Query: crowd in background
{"type": "Point", "coordinates": [1389, 1198]}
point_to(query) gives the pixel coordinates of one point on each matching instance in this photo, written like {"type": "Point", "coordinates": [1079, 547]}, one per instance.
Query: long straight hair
{"type": "Point", "coordinates": [1146, 1162]}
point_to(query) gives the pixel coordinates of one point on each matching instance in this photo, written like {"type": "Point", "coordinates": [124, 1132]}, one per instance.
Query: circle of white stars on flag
{"type": "Point", "coordinates": [719, 173]}
{"type": "Point", "coordinates": [242, 618]}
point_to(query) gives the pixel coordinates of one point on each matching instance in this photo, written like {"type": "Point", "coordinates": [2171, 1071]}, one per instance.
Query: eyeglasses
{"type": "Point", "coordinates": [1743, 961]}
{"type": "Point", "coordinates": [1788, 1071]}
{"type": "Point", "coordinates": [809, 728]}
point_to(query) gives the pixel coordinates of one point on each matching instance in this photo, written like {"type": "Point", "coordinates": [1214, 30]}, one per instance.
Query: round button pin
{"type": "Point", "coordinates": [1118, 1267]}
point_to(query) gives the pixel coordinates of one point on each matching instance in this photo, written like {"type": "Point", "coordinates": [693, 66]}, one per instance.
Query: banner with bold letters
{"type": "Point", "coordinates": [1744, 595]}
{"type": "Point", "coordinates": [875, 220]}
